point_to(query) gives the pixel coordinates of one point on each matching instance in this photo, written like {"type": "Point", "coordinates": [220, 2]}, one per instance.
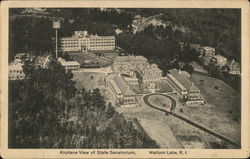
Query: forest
{"type": "Point", "coordinates": [218, 28]}
{"type": "Point", "coordinates": [47, 111]}
{"type": "Point", "coordinates": [32, 34]}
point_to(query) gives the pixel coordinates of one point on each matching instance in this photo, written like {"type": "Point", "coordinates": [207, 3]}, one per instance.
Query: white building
{"type": "Point", "coordinates": [220, 60]}
{"type": "Point", "coordinates": [81, 41]}
{"type": "Point", "coordinates": [69, 65]}
{"type": "Point", "coordinates": [207, 51]}
{"type": "Point", "coordinates": [16, 71]}
{"type": "Point", "coordinates": [122, 91]}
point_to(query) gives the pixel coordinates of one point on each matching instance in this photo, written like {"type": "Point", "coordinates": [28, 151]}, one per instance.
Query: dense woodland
{"type": "Point", "coordinates": [47, 111]}
{"type": "Point", "coordinates": [218, 28]}
{"type": "Point", "coordinates": [33, 34]}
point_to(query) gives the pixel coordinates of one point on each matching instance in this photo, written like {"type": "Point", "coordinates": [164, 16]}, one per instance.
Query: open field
{"type": "Point", "coordinates": [151, 120]}
{"type": "Point", "coordinates": [163, 135]}
{"type": "Point", "coordinates": [222, 110]}
{"type": "Point", "coordinates": [191, 141]}
{"type": "Point", "coordinates": [177, 126]}
{"type": "Point", "coordinates": [160, 100]}
{"type": "Point", "coordinates": [87, 80]}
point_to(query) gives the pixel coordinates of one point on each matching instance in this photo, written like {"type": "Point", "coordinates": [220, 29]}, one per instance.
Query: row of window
{"type": "Point", "coordinates": [72, 69]}
{"type": "Point", "coordinates": [102, 39]}
{"type": "Point", "coordinates": [16, 77]}
{"type": "Point", "coordinates": [129, 95]}
{"type": "Point", "coordinates": [102, 42]}
{"type": "Point", "coordinates": [71, 46]}
{"type": "Point", "coordinates": [128, 101]}
{"type": "Point", "coordinates": [65, 42]}
{"type": "Point", "coordinates": [90, 39]}
{"type": "Point", "coordinates": [100, 45]}
{"type": "Point", "coordinates": [69, 66]}
{"type": "Point", "coordinates": [16, 71]}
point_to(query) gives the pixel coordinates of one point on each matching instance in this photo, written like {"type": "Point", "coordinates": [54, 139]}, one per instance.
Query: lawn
{"type": "Point", "coordinates": [177, 126]}
{"type": "Point", "coordinates": [222, 109]}
{"type": "Point", "coordinates": [160, 101]}
{"type": "Point", "coordinates": [87, 80]}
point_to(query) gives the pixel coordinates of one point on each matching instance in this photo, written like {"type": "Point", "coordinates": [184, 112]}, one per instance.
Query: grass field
{"type": "Point", "coordinates": [222, 109]}
{"type": "Point", "coordinates": [87, 80]}
{"type": "Point", "coordinates": [155, 122]}
{"type": "Point", "coordinates": [160, 100]}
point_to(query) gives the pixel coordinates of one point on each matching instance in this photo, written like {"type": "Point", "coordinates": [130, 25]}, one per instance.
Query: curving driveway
{"type": "Point", "coordinates": [173, 100]}
{"type": "Point", "coordinates": [203, 128]}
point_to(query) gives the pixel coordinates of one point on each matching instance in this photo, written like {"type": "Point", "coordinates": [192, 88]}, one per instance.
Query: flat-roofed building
{"type": "Point", "coordinates": [184, 87]}
{"type": "Point", "coordinates": [69, 65]}
{"type": "Point", "coordinates": [121, 90]}
{"type": "Point", "coordinates": [81, 41]}
{"type": "Point", "coordinates": [16, 71]}
{"type": "Point", "coordinates": [207, 51]}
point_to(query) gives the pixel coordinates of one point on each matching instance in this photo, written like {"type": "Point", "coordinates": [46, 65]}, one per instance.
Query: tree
{"type": "Point", "coordinates": [189, 68]}
{"type": "Point", "coordinates": [110, 111]}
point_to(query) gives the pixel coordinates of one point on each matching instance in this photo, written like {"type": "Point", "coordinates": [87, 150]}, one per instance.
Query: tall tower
{"type": "Point", "coordinates": [56, 26]}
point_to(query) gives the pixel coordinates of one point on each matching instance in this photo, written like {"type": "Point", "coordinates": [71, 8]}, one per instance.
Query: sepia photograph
{"type": "Point", "coordinates": [123, 78]}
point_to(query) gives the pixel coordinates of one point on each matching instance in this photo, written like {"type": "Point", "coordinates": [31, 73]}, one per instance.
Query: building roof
{"type": "Point", "coordinates": [123, 86]}
{"type": "Point", "coordinates": [64, 63]}
{"type": "Point", "coordinates": [150, 70]}
{"type": "Point", "coordinates": [117, 89]}
{"type": "Point", "coordinates": [176, 81]}
{"type": "Point", "coordinates": [208, 48]}
{"type": "Point", "coordinates": [182, 79]}
{"type": "Point", "coordinates": [131, 59]}
{"type": "Point", "coordinates": [219, 57]}
{"type": "Point", "coordinates": [17, 66]}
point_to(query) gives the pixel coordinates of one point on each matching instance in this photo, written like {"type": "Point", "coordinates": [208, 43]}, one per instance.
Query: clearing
{"type": "Point", "coordinates": [222, 109]}
{"type": "Point", "coordinates": [88, 80]}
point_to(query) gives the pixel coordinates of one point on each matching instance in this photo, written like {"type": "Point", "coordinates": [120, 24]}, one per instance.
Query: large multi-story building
{"type": "Point", "coordinates": [81, 41]}
{"type": "Point", "coordinates": [128, 64]}
{"type": "Point", "coordinates": [148, 76]}
{"type": "Point", "coordinates": [138, 67]}
{"type": "Point", "coordinates": [16, 71]}
{"type": "Point", "coordinates": [121, 91]}
{"type": "Point", "coordinates": [184, 87]}
{"type": "Point", "coordinates": [207, 51]}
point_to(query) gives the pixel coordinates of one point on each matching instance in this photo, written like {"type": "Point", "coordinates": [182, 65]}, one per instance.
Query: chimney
{"type": "Point", "coordinates": [179, 71]}
{"type": "Point", "coordinates": [192, 83]}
